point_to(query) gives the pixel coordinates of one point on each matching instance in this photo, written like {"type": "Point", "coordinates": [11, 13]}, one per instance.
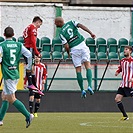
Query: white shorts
{"type": "Point", "coordinates": [80, 54]}
{"type": "Point", "coordinates": [10, 86]}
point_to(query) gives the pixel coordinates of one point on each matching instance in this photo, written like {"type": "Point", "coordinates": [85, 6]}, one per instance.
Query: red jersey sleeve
{"type": "Point", "coordinates": [119, 68]}
{"type": "Point", "coordinates": [44, 72]}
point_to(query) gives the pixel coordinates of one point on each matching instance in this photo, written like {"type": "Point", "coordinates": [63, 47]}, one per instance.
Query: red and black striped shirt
{"type": "Point", "coordinates": [126, 67]}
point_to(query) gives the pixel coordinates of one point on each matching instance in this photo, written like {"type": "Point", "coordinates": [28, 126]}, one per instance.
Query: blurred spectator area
{"type": "Point", "coordinates": [36, 1]}
{"type": "Point", "coordinates": [101, 2]}
{"type": "Point", "coordinates": [80, 2]}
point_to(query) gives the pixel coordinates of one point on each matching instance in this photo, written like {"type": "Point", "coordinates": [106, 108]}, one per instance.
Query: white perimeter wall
{"type": "Point", "coordinates": [20, 15]}
{"type": "Point", "coordinates": [105, 22]}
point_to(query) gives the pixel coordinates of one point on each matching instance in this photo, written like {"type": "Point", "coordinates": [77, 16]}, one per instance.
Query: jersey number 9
{"type": "Point", "coordinates": [70, 32]}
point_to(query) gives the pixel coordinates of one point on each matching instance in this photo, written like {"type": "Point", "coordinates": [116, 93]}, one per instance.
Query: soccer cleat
{"type": "Point", "coordinates": [35, 115]}
{"type": "Point", "coordinates": [28, 121]}
{"type": "Point", "coordinates": [1, 123]}
{"type": "Point", "coordinates": [83, 94]}
{"type": "Point", "coordinates": [40, 92]}
{"type": "Point", "coordinates": [36, 91]}
{"type": "Point", "coordinates": [32, 87]}
{"type": "Point", "coordinates": [90, 90]}
{"type": "Point", "coordinates": [124, 118]}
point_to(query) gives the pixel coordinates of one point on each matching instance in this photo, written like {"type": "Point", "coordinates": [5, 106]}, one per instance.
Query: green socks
{"type": "Point", "coordinates": [80, 80]}
{"type": "Point", "coordinates": [21, 108]}
{"type": "Point", "coordinates": [3, 109]}
{"type": "Point", "coordinates": [89, 77]}
{"type": "Point", "coordinates": [18, 104]}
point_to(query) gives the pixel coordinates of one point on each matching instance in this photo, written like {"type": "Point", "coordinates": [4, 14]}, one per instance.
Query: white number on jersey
{"type": "Point", "coordinates": [25, 33]}
{"type": "Point", "coordinates": [70, 32]}
{"type": "Point", "coordinates": [12, 55]}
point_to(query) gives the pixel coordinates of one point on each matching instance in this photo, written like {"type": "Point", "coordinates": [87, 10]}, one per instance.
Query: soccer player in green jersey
{"type": "Point", "coordinates": [10, 52]}
{"type": "Point", "coordinates": [74, 44]}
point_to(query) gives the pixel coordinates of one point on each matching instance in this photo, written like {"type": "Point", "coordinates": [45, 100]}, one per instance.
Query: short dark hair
{"type": "Point", "coordinates": [9, 32]}
{"type": "Point", "coordinates": [129, 47]}
{"type": "Point", "coordinates": [37, 18]}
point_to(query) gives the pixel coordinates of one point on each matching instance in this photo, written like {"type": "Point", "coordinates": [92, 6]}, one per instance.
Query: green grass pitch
{"type": "Point", "coordinates": [68, 123]}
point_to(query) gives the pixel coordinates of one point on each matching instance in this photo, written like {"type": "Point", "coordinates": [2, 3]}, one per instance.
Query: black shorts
{"type": "Point", "coordinates": [32, 51]}
{"type": "Point", "coordinates": [124, 91]}
{"type": "Point", "coordinates": [36, 95]}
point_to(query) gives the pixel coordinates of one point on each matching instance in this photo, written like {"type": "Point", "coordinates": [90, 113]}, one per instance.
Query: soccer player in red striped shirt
{"type": "Point", "coordinates": [40, 77]}
{"type": "Point", "coordinates": [30, 38]}
{"type": "Point", "coordinates": [126, 85]}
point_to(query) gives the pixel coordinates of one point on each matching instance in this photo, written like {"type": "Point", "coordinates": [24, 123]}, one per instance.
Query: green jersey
{"type": "Point", "coordinates": [69, 34]}
{"type": "Point", "coordinates": [10, 56]}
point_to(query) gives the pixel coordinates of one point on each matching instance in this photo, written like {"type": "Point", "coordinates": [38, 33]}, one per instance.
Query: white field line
{"type": "Point", "coordinates": [103, 124]}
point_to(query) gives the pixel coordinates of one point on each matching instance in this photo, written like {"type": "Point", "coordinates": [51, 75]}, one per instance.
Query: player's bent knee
{"type": "Point", "coordinates": [31, 98]}
{"type": "Point", "coordinates": [117, 99]}
{"type": "Point", "coordinates": [11, 98]}
{"type": "Point", "coordinates": [3, 96]}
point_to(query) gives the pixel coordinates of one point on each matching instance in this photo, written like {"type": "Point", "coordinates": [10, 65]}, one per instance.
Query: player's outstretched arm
{"type": "Point", "coordinates": [87, 30]}
{"type": "Point", "coordinates": [67, 49]}
{"type": "Point", "coordinates": [116, 73]}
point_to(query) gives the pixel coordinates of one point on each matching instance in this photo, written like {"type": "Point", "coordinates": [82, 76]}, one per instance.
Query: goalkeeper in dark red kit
{"type": "Point", "coordinates": [30, 39]}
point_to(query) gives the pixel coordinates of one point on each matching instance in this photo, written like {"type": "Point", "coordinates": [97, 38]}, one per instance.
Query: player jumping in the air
{"type": "Point", "coordinates": [74, 44]}
{"type": "Point", "coordinates": [30, 39]}
{"type": "Point", "coordinates": [125, 89]}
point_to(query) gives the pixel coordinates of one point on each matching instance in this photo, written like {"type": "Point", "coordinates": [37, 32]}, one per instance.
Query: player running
{"type": "Point", "coordinates": [125, 89]}
{"type": "Point", "coordinates": [10, 52]}
{"type": "Point", "coordinates": [40, 78]}
{"type": "Point", "coordinates": [74, 44]}
{"type": "Point", "coordinates": [30, 39]}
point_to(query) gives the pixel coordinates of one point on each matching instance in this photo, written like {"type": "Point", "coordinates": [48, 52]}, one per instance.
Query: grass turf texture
{"type": "Point", "coordinates": [68, 123]}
